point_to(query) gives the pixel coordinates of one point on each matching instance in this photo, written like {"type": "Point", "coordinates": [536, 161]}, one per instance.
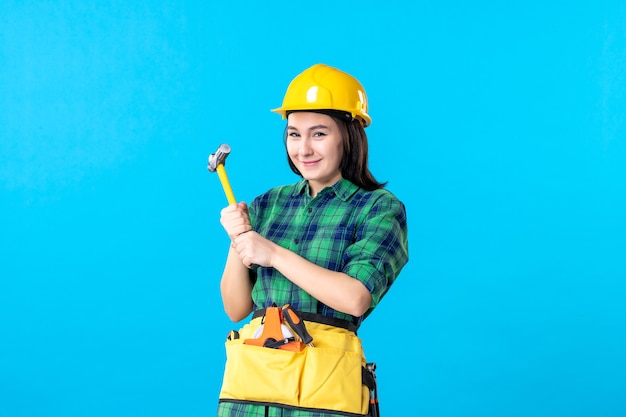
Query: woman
{"type": "Point", "coordinates": [327, 247]}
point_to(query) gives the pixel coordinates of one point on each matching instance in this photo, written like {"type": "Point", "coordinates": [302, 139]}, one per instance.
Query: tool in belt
{"type": "Point", "coordinates": [273, 333]}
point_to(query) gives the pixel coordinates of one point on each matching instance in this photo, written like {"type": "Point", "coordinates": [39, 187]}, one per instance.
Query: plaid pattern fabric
{"type": "Point", "coordinates": [227, 409]}
{"type": "Point", "coordinates": [344, 228]}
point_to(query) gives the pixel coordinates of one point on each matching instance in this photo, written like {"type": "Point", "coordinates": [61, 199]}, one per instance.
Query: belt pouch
{"type": "Point", "coordinates": [326, 377]}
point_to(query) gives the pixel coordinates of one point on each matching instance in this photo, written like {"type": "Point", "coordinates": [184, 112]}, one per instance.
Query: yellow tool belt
{"type": "Point", "coordinates": [327, 376]}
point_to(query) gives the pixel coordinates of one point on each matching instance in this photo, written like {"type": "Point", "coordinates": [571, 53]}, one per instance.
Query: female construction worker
{"type": "Point", "coordinates": [311, 260]}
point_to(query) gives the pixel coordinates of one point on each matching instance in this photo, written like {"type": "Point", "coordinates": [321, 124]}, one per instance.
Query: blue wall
{"type": "Point", "coordinates": [501, 126]}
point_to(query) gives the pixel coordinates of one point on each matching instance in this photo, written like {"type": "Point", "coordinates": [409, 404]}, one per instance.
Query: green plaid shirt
{"type": "Point", "coordinates": [344, 228]}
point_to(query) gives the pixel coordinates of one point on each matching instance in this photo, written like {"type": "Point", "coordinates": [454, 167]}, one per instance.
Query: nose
{"type": "Point", "coordinates": [305, 147]}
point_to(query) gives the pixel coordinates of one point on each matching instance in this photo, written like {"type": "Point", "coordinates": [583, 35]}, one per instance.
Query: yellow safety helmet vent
{"type": "Point", "coordinates": [322, 87]}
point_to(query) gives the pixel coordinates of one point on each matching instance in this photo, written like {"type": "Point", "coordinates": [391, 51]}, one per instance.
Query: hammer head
{"type": "Point", "coordinates": [219, 157]}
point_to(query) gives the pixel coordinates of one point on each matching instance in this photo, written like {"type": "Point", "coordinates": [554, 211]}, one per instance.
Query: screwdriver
{"type": "Point", "coordinates": [294, 321]}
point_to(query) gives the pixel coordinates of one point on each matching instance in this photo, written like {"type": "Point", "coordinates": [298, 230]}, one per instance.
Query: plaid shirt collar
{"type": "Point", "coordinates": [343, 189]}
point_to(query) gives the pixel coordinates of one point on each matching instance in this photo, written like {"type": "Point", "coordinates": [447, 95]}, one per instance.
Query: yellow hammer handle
{"type": "Point", "coordinates": [221, 173]}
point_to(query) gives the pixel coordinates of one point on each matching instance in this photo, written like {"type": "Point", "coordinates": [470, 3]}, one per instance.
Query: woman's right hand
{"type": "Point", "coordinates": [235, 219]}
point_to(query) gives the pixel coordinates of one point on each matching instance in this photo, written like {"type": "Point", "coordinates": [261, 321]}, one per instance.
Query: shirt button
{"type": "Point", "coordinates": [309, 209]}
{"type": "Point", "coordinates": [297, 241]}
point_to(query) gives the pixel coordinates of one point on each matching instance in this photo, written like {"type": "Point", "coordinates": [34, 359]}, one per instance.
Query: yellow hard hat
{"type": "Point", "coordinates": [322, 87]}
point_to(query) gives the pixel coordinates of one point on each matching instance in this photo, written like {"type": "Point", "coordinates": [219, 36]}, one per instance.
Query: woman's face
{"type": "Point", "coordinates": [315, 147]}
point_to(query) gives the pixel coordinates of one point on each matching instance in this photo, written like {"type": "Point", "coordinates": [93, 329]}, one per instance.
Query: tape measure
{"type": "Point", "coordinates": [283, 327]}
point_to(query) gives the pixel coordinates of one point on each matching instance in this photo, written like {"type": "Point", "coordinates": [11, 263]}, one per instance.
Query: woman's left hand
{"type": "Point", "coordinates": [254, 249]}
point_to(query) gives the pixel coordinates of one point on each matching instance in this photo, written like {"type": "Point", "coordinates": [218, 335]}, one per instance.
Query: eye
{"type": "Point", "coordinates": [294, 134]}
{"type": "Point", "coordinates": [319, 134]}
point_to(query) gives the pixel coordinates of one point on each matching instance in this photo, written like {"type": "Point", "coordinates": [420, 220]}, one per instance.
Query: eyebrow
{"type": "Point", "coordinates": [311, 128]}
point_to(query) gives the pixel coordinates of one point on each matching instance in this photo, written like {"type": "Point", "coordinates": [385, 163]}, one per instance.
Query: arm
{"type": "Point", "coordinates": [235, 285]}
{"type": "Point", "coordinates": [236, 288]}
{"type": "Point", "coordinates": [335, 289]}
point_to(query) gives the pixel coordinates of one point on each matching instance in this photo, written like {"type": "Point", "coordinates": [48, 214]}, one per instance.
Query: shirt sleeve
{"type": "Point", "coordinates": [380, 250]}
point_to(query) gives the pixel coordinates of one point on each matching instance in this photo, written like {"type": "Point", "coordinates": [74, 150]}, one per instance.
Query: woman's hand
{"type": "Point", "coordinates": [235, 219]}
{"type": "Point", "coordinates": [254, 249]}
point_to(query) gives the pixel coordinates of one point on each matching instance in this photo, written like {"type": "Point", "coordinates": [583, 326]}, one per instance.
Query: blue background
{"type": "Point", "coordinates": [502, 126]}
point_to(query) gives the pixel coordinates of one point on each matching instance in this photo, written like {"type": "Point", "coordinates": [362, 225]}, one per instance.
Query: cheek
{"type": "Point", "coordinates": [339, 153]}
{"type": "Point", "coordinates": [292, 150]}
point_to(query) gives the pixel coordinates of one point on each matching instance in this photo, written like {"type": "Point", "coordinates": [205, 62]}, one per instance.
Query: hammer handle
{"type": "Point", "coordinates": [221, 173]}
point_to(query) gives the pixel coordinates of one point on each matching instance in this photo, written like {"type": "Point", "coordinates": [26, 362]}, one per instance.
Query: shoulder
{"type": "Point", "coordinates": [379, 208]}
{"type": "Point", "coordinates": [380, 197]}
{"type": "Point", "coordinates": [281, 190]}
{"type": "Point", "coordinates": [276, 195]}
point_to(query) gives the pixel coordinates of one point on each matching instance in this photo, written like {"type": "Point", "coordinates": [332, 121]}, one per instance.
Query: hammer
{"type": "Point", "coordinates": [216, 163]}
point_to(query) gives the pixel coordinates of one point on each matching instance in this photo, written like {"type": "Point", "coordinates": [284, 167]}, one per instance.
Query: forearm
{"type": "Point", "coordinates": [236, 288]}
{"type": "Point", "coordinates": [335, 289]}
